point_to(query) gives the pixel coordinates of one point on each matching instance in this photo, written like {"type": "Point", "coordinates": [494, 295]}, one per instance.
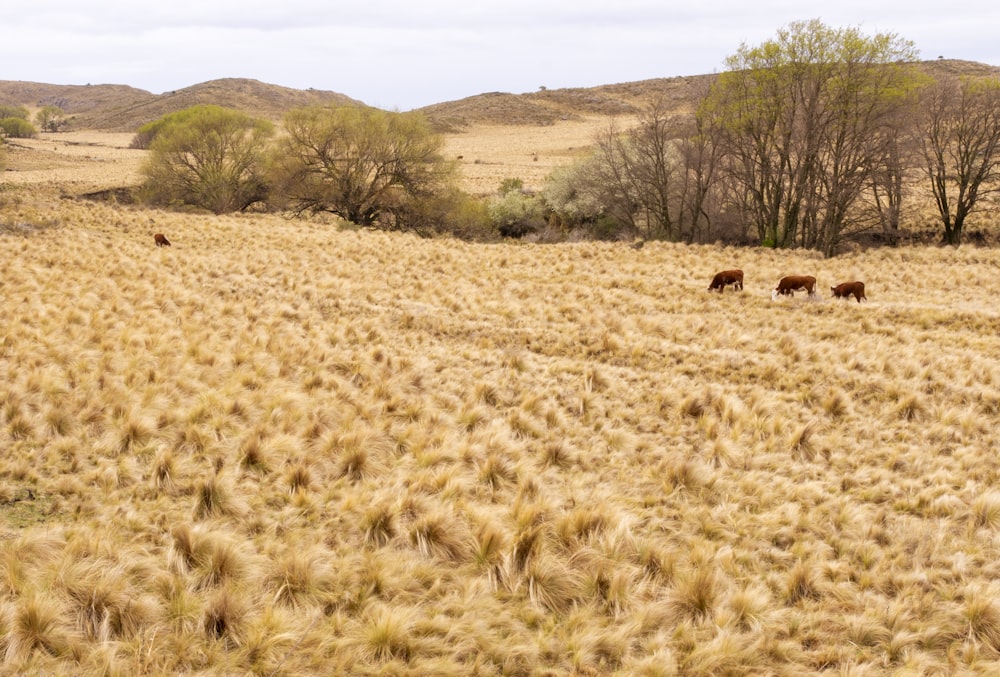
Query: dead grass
{"type": "Point", "coordinates": [89, 161]}
{"type": "Point", "coordinates": [278, 446]}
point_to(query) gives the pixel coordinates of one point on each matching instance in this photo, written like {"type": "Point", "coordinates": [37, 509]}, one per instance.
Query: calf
{"type": "Point", "coordinates": [733, 277]}
{"type": "Point", "coordinates": [788, 284]}
{"type": "Point", "coordinates": [846, 290]}
{"type": "Point", "coordinates": [161, 240]}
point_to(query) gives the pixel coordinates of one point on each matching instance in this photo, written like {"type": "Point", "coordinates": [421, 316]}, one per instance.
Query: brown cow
{"type": "Point", "coordinates": [733, 277]}
{"type": "Point", "coordinates": [161, 240]}
{"type": "Point", "coordinates": [788, 284]}
{"type": "Point", "coordinates": [845, 290]}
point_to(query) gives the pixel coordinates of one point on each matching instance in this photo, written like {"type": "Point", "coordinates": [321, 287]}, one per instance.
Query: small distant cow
{"type": "Point", "coordinates": [846, 290]}
{"type": "Point", "coordinates": [788, 284]}
{"type": "Point", "coordinates": [726, 277]}
{"type": "Point", "coordinates": [161, 240]}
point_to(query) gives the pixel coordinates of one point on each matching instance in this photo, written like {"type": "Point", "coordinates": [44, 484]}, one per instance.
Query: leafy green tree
{"type": "Point", "coordinates": [798, 117]}
{"type": "Point", "coordinates": [13, 112]}
{"type": "Point", "coordinates": [960, 144]}
{"type": "Point", "coordinates": [17, 128]}
{"type": "Point", "coordinates": [365, 165]}
{"type": "Point", "coordinates": [209, 157]}
{"type": "Point", "coordinates": [50, 118]}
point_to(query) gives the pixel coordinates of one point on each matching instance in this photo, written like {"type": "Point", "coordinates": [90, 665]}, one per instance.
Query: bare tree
{"type": "Point", "coordinates": [886, 177]}
{"type": "Point", "coordinates": [961, 147]}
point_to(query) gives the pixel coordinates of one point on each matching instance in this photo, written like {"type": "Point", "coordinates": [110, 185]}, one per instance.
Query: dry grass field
{"type": "Point", "coordinates": [285, 448]}
{"type": "Point", "coordinates": [83, 161]}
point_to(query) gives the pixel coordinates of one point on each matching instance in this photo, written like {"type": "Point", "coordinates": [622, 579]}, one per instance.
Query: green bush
{"type": "Point", "coordinates": [17, 128]}
{"type": "Point", "coordinates": [51, 118]}
{"type": "Point", "coordinates": [515, 213]}
{"type": "Point", "coordinates": [370, 167]}
{"type": "Point", "coordinates": [14, 112]}
{"type": "Point", "coordinates": [207, 157]}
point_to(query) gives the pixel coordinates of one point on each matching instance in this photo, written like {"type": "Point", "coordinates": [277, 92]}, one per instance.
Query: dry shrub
{"type": "Point", "coordinates": [379, 524]}
{"type": "Point", "coordinates": [551, 585]}
{"type": "Point", "coordinates": [226, 616]}
{"type": "Point", "coordinates": [582, 524]}
{"type": "Point", "coordinates": [35, 623]}
{"type": "Point", "coordinates": [488, 553]}
{"type": "Point", "coordinates": [107, 606]}
{"type": "Point", "coordinates": [216, 497]}
{"type": "Point", "coordinates": [982, 613]}
{"type": "Point", "coordinates": [986, 511]}
{"type": "Point", "coordinates": [299, 578]}
{"type": "Point", "coordinates": [440, 535]}
{"type": "Point", "coordinates": [802, 582]}
{"type": "Point", "coordinates": [385, 634]}
{"type": "Point", "coordinates": [726, 654]}
{"type": "Point", "coordinates": [696, 593]}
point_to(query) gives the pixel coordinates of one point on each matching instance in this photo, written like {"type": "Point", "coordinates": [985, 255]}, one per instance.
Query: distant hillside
{"type": "Point", "coordinates": [547, 106]}
{"type": "Point", "coordinates": [124, 109]}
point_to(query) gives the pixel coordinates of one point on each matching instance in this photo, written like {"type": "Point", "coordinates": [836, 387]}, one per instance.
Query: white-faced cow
{"type": "Point", "coordinates": [161, 240]}
{"type": "Point", "coordinates": [726, 277]}
{"type": "Point", "coordinates": [846, 290]}
{"type": "Point", "coordinates": [788, 284]}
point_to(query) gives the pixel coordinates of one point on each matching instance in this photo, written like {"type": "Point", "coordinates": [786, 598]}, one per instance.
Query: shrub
{"type": "Point", "coordinates": [207, 157]}
{"type": "Point", "coordinates": [13, 112]}
{"type": "Point", "coordinates": [367, 166]}
{"type": "Point", "coordinates": [17, 128]}
{"type": "Point", "coordinates": [515, 213]}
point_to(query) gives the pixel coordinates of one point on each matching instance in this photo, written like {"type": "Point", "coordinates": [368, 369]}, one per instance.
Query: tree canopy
{"type": "Point", "coordinates": [365, 165]}
{"type": "Point", "coordinates": [799, 118]}
{"type": "Point", "coordinates": [209, 157]}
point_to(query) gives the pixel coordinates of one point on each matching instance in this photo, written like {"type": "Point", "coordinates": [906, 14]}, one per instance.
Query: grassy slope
{"type": "Point", "coordinates": [282, 448]}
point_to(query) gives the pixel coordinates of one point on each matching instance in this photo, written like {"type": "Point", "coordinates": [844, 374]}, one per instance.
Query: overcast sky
{"type": "Point", "coordinates": [404, 54]}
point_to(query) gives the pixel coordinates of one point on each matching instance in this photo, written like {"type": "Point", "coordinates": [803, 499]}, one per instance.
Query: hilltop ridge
{"type": "Point", "coordinates": [121, 108]}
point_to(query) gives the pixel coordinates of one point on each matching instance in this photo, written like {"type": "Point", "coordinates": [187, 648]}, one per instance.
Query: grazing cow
{"type": "Point", "coordinates": [733, 277]}
{"type": "Point", "coordinates": [161, 240]}
{"type": "Point", "coordinates": [846, 290]}
{"type": "Point", "coordinates": [788, 284]}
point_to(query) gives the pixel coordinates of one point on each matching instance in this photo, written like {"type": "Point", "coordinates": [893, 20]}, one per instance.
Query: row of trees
{"type": "Point", "coordinates": [805, 140]}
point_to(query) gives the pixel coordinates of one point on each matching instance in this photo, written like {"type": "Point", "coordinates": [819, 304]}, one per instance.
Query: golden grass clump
{"type": "Point", "coordinates": [248, 454]}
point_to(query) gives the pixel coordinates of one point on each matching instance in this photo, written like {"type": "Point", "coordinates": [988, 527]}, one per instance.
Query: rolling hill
{"type": "Point", "coordinates": [120, 108]}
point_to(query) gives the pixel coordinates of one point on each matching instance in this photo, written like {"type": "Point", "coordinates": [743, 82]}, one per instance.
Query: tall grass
{"type": "Point", "coordinates": [281, 448]}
